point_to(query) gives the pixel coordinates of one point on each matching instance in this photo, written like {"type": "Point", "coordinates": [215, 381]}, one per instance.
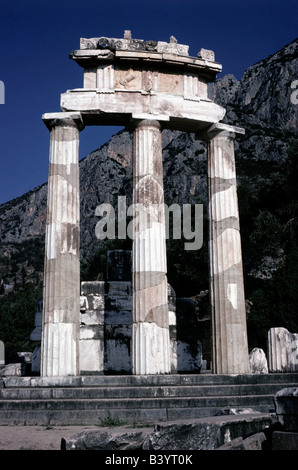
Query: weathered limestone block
{"type": "Point", "coordinates": [93, 288]}
{"type": "Point", "coordinates": [92, 309]}
{"type": "Point", "coordinates": [91, 332]}
{"type": "Point", "coordinates": [258, 362]}
{"type": "Point", "coordinates": [14, 369]}
{"type": "Point", "coordinates": [286, 407]}
{"type": "Point", "coordinates": [91, 344]}
{"type": "Point", "coordinates": [111, 439]}
{"type": "Point", "coordinates": [201, 434]}
{"type": "Point", "coordinates": [282, 350]}
{"type": "Point", "coordinates": [254, 442]}
{"type": "Point", "coordinates": [92, 318]}
{"type": "Point", "coordinates": [91, 356]}
{"type": "Point", "coordinates": [95, 302]}
{"type": "Point", "coordinates": [204, 434]}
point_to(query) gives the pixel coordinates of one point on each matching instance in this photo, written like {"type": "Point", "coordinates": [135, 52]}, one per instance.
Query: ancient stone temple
{"type": "Point", "coordinates": [145, 86]}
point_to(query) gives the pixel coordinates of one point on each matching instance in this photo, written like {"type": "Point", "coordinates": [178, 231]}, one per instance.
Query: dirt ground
{"type": "Point", "coordinates": [37, 437]}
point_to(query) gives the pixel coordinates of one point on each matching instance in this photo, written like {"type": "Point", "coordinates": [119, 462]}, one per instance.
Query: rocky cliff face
{"type": "Point", "coordinates": [260, 102]}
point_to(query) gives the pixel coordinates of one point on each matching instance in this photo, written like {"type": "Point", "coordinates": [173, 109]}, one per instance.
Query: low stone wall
{"type": "Point", "coordinates": [106, 324]}
{"type": "Point", "coordinates": [105, 332]}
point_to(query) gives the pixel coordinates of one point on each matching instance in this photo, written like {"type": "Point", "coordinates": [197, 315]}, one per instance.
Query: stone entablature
{"type": "Point", "coordinates": [166, 83]}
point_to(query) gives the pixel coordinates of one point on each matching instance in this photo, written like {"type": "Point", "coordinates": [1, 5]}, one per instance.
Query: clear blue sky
{"type": "Point", "coordinates": [36, 37]}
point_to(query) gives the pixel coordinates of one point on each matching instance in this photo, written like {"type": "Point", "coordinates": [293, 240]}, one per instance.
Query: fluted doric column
{"type": "Point", "coordinates": [61, 297]}
{"type": "Point", "coordinates": [229, 333]}
{"type": "Point", "coordinates": [150, 328]}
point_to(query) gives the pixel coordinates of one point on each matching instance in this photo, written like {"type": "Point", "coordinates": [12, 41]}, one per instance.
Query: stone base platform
{"type": "Point", "coordinates": [127, 399]}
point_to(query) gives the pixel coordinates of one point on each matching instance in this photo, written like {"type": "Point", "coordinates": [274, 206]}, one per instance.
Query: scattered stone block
{"type": "Point", "coordinates": [258, 362]}
{"type": "Point", "coordinates": [207, 433]}
{"type": "Point", "coordinates": [235, 444]}
{"type": "Point", "coordinates": [14, 369]}
{"type": "Point", "coordinates": [254, 442]}
{"type": "Point", "coordinates": [286, 407]}
{"type": "Point", "coordinates": [214, 433]}
{"type": "Point", "coordinates": [282, 350]}
{"type": "Point", "coordinates": [112, 439]}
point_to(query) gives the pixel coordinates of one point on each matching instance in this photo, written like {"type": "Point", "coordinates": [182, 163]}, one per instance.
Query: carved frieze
{"type": "Point", "coordinates": [128, 79]}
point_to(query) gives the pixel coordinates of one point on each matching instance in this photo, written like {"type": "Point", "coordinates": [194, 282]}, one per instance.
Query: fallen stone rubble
{"type": "Point", "coordinates": [201, 434]}
{"type": "Point", "coordinates": [239, 430]}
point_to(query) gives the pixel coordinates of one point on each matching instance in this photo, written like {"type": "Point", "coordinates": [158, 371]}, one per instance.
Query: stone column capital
{"type": "Point", "coordinates": [219, 129]}
{"type": "Point", "coordinates": [52, 120]}
{"type": "Point", "coordinates": [135, 123]}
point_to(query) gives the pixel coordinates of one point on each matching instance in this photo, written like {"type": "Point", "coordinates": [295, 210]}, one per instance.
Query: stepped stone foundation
{"type": "Point", "coordinates": [145, 86]}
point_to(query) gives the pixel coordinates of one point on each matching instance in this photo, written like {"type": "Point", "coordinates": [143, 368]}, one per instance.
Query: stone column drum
{"type": "Point", "coordinates": [150, 328]}
{"type": "Point", "coordinates": [61, 297]}
{"type": "Point", "coordinates": [230, 348]}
